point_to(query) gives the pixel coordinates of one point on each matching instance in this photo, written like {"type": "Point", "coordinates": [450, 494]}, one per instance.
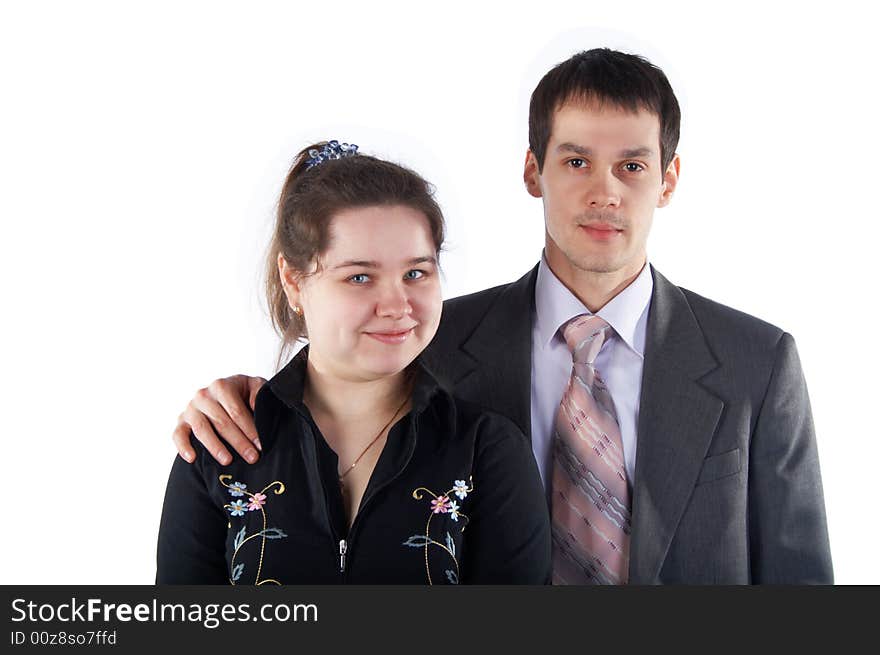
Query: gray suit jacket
{"type": "Point", "coordinates": [727, 487]}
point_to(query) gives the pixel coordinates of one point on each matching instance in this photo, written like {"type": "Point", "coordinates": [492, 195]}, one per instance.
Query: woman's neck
{"type": "Point", "coordinates": [348, 401]}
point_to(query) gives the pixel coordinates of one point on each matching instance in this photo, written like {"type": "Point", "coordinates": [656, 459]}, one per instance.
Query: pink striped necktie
{"type": "Point", "coordinates": [591, 497]}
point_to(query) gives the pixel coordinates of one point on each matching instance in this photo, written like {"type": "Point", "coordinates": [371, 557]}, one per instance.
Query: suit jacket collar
{"type": "Point", "coordinates": [677, 420]}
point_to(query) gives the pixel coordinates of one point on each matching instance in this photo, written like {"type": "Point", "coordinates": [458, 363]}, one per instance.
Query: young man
{"type": "Point", "coordinates": [673, 434]}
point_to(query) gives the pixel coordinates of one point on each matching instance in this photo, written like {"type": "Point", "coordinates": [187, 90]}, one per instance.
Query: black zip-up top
{"type": "Point", "coordinates": [455, 497]}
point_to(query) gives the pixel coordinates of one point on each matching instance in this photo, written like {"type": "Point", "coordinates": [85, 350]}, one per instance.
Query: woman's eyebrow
{"type": "Point", "coordinates": [426, 259]}
{"type": "Point", "coordinates": [365, 263]}
{"type": "Point", "coordinates": [360, 263]}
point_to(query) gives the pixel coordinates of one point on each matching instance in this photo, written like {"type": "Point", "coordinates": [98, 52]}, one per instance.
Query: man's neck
{"type": "Point", "coordinates": [594, 289]}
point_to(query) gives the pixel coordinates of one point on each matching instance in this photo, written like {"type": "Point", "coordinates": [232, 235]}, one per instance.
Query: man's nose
{"type": "Point", "coordinates": [603, 190]}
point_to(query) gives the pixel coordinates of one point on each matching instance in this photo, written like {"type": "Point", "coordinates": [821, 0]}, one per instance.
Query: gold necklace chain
{"type": "Point", "coordinates": [375, 439]}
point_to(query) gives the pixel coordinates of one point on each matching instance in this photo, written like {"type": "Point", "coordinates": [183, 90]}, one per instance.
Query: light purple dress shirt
{"type": "Point", "coordinates": [620, 361]}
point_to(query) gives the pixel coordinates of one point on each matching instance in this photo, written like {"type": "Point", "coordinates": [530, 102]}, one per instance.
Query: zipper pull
{"type": "Point", "coordinates": [342, 548]}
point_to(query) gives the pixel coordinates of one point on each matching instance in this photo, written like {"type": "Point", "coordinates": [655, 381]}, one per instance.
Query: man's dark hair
{"type": "Point", "coordinates": [605, 76]}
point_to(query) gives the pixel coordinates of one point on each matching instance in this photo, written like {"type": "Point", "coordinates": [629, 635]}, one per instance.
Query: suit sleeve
{"type": "Point", "coordinates": [788, 533]}
{"type": "Point", "coordinates": [192, 532]}
{"type": "Point", "coordinates": [508, 536]}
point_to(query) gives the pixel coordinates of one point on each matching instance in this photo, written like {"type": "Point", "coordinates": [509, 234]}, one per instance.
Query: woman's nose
{"type": "Point", "coordinates": [394, 302]}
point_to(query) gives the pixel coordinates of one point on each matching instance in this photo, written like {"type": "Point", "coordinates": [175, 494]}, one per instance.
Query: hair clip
{"type": "Point", "coordinates": [332, 150]}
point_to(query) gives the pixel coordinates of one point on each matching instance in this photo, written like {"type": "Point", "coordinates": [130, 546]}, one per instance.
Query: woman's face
{"type": "Point", "coordinates": [375, 302]}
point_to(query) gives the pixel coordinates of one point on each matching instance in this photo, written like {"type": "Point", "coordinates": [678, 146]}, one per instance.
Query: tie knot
{"type": "Point", "coordinates": [585, 335]}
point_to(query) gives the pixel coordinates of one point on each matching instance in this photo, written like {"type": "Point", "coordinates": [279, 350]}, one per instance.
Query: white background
{"type": "Point", "coordinates": [142, 146]}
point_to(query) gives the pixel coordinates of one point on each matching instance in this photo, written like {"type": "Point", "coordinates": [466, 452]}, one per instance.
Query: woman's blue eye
{"type": "Point", "coordinates": [414, 274]}
{"type": "Point", "coordinates": [360, 278]}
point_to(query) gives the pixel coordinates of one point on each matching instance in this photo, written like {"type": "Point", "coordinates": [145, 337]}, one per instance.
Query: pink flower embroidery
{"type": "Point", "coordinates": [257, 501]}
{"type": "Point", "coordinates": [440, 505]}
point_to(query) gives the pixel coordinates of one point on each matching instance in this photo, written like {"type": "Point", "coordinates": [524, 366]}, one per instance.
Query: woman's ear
{"type": "Point", "coordinates": [290, 281]}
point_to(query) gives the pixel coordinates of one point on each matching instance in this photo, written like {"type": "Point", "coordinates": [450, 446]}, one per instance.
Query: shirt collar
{"type": "Point", "coordinates": [288, 384]}
{"type": "Point", "coordinates": [555, 305]}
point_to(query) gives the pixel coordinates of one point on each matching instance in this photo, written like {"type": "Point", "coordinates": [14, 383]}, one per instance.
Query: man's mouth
{"type": "Point", "coordinates": [601, 231]}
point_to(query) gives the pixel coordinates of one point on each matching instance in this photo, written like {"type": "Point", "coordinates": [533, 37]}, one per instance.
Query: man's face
{"type": "Point", "coordinates": [600, 184]}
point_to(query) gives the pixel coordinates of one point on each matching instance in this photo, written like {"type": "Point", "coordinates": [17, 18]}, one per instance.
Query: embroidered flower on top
{"type": "Point", "coordinates": [237, 489]}
{"type": "Point", "coordinates": [257, 501]}
{"type": "Point", "coordinates": [440, 505]}
{"type": "Point", "coordinates": [453, 511]}
{"type": "Point", "coordinates": [260, 534]}
{"type": "Point", "coordinates": [237, 508]}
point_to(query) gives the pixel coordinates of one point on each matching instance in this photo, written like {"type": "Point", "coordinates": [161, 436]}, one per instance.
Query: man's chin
{"type": "Point", "coordinates": [598, 265]}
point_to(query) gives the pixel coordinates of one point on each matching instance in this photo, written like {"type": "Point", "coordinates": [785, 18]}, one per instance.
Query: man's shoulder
{"type": "Point", "coordinates": [497, 305]}
{"type": "Point", "coordinates": [478, 302]}
{"type": "Point", "coordinates": [461, 317]}
{"type": "Point", "coordinates": [732, 330]}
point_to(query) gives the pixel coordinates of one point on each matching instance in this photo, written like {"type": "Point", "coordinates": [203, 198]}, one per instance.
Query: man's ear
{"type": "Point", "coordinates": [290, 281]}
{"type": "Point", "coordinates": [670, 180]}
{"type": "Point", "coordinates": [531, 175]}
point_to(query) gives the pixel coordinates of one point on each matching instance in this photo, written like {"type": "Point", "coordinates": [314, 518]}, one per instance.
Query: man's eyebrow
{"type": "Point", "coordinates": [575, 148]}
{"type": "Point", "coordinates": [641, 151]}
{"type": "Point", "coordinates": [365, 263]}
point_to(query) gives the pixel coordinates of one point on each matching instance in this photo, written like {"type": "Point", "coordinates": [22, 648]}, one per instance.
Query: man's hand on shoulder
{"type": "Point", "coordinates": [225, 408]}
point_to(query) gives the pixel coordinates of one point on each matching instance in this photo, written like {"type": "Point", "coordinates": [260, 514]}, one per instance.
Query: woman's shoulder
{"type": "Point", "coordinates": [490, 422]}
{"type": "Point", "coordinates": [457, 414]}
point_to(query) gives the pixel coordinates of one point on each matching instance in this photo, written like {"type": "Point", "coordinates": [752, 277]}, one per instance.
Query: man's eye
{"type": "Point", "coordinates": [633, 167]}
{"type": "Point", "coordinates": [414, 274]}
{"type": "Point", "coordinates": [359, 278]}
{"type": "Point", "coordinates": [577, 163]}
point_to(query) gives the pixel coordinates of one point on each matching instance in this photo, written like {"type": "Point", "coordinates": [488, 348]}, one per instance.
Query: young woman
{"type": "Point", "coordinates": [370, 471]}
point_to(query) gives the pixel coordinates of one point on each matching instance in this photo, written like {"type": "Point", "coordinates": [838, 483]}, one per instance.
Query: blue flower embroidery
{"type": "Point", "coordinates": [237, 488]}
{"type": "Point", "coordinates": [461, 489]}
{"type": "Point", "coordinates": [453, 510]}
{"type": "Point", "coordinates": [237, 508]}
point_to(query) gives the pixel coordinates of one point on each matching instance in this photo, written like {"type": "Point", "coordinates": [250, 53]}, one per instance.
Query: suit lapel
{"type": "Point", "coordinates": [677, 420]}
{"type": "Point", "coordinates": [496, 364]}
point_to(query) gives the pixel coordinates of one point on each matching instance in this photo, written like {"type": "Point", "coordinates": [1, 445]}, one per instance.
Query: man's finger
{"type": "Point", "coordinates": [233, 395]}
{"type": "Point", "coordinates": [254, 385]}
{"type": "Point", "coordinates": [204, 432]}
{"type": "Point", "coordinates": [224, 425]}
{"type": "Point", "coordinates": [180, 437]}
